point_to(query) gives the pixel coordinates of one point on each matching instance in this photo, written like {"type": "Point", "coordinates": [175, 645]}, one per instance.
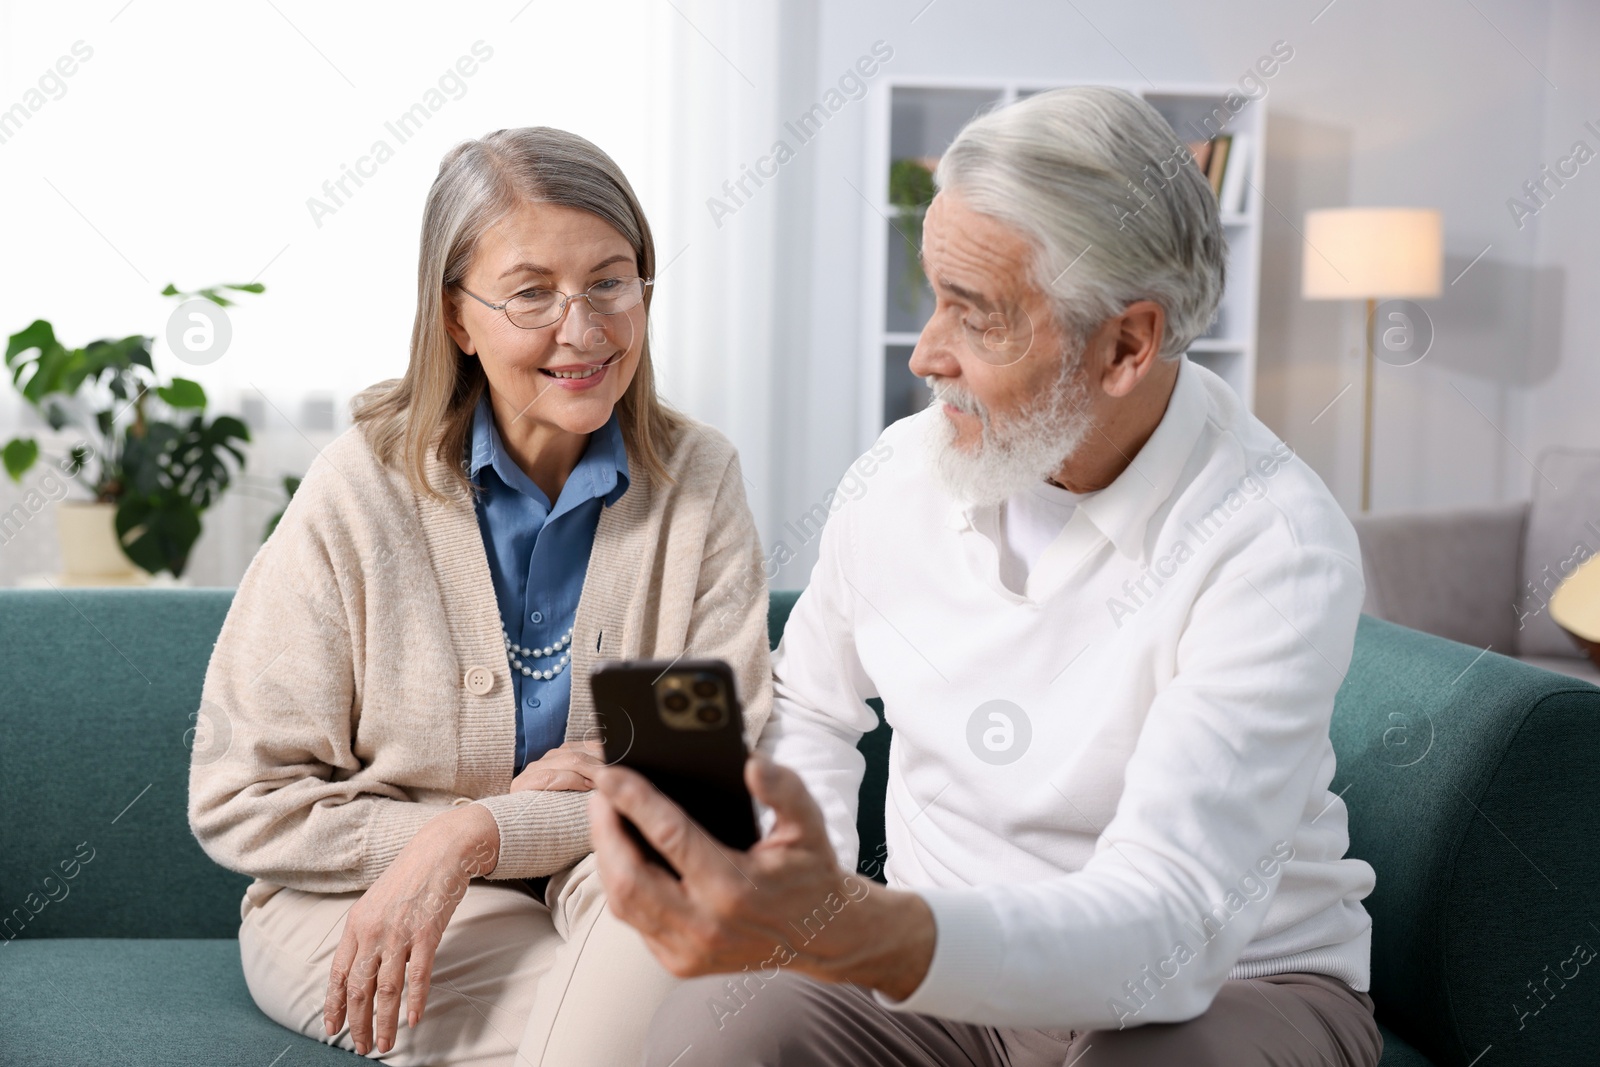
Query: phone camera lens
{"type": "Point", "coordinates": [708, 714]}
{"type": "Point", "coordinates": [675, 701]}
{"type": "Point", "coordinates": [705, 688]}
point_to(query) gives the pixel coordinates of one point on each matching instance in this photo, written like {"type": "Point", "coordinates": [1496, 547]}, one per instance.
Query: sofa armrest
{"type": "Point", "coordinates": [1470, 780]}
{"type": "Point", "coordinates": [1451, 573]}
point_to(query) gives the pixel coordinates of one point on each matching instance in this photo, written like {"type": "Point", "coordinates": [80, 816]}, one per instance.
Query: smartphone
{"type": "Point", "coordinates": [679, 723]}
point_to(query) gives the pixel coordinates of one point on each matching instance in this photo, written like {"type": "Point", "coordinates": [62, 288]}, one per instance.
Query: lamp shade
{"type": "Point", "coordinates": [1357, 253]}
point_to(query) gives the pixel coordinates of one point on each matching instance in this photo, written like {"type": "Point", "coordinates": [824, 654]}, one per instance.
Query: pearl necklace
{"type": "Point", "coordinates": [513, 650]}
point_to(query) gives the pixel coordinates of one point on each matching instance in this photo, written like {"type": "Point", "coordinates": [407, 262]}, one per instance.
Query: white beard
{"type": "Point", "coordinates": [1020, 452]}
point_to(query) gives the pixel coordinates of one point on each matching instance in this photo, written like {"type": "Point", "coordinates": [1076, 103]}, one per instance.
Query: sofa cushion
{"type": "Point", "coordinates": [873, 746]}
{"type": "Point", "coordinates": [166, 1003]}
{"type": "Point", "coordinates": [1563, 531]}
{"type": "Point", "coordinates": [101, 691]}
{"type": "Point", "coordinates": [1451, 573]}
{"type": "Point", "coordinates": [1397, 1052]}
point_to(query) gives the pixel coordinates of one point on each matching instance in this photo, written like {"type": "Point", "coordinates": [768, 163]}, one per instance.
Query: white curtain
{"type": "Point", "coordinates": [714, 90]}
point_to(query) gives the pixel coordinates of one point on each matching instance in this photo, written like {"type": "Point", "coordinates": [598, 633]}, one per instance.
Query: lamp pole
{"type": "Point", "coordinates": [1366, 412]}
{"type": "Point", "coordinates": [1393, 252]}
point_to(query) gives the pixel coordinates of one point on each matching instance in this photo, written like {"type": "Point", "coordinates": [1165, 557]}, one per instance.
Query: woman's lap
{"type": "Point", "coordinates": [497, 945]}
{"type": "Point", "coordinates": [595, 1003]}
{"type": "Point", "coordinates": [512, 983]}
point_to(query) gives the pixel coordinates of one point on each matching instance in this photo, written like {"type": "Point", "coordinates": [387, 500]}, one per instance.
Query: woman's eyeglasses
{"type": "Point", "coordinates": [537, 307]}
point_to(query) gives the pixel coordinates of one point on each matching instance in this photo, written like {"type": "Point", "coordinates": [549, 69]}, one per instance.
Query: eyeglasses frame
{"type": "Point", "coordinates": [566, 299]}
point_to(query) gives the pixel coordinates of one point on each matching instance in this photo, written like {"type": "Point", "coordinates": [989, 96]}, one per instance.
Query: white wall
{"type": "Point", "coordinates": [1562, 405]}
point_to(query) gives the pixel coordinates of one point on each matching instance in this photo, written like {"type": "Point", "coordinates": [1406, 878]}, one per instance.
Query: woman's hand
{"type": "Point", "coordinates": [392, 932]}
{"type": "Point", "coordinates": [572, 766]}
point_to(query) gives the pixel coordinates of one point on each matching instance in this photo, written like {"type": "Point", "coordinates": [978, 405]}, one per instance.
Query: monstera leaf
{"type": "Point", "coordinates": [170, 474]}
{"type": "Point", "coordinates": [202, 457]}
{"type": "Point", "coordinates": [42, 367]}
{"type": "Point", "coordinates": [158, 530]}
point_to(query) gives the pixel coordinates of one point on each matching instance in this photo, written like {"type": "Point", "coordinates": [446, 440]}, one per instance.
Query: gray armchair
{"type": "Point", "coordinates": [1483, 576]}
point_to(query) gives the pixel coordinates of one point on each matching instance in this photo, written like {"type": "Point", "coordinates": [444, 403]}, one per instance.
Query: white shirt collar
{"type": "Point", "coordinates": [1123, 509]}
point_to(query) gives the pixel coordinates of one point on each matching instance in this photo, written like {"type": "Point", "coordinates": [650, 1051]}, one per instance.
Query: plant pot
{"type": "Point", "coordinates": [90, 551]}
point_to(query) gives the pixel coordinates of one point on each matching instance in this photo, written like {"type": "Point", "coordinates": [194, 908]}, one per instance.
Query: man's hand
{"type": "Point", "coordinates": [392, 932]}
{"type": "Point", "coordinates": [571, 767]}
{"type": "Point", "coordinates": [785, 902]}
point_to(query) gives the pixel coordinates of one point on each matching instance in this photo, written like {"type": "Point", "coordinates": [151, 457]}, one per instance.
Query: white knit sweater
{"type": "Point", "coordinates": [342, 698]}
{"type": "Point", "coordinates": [1112, 788]}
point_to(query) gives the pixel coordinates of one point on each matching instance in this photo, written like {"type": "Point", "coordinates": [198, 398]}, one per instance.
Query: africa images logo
{"type": "Point", "coordinates": [998, 732]}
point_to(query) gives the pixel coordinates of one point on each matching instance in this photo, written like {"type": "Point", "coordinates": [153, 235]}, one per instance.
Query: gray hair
{"type": "Point", "coordinates": [1097, 173]}
{"type": "Point", "coordinates": [479, 183]}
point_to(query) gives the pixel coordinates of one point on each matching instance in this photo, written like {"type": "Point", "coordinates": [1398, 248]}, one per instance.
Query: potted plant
{"type": "Point", "coordinates": [910, 192]}
{"type": "Point", "coordinates": [159, 462]}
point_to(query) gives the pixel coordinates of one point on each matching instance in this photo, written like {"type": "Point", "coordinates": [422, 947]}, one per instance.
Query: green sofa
{"type": "Point", "coordinates": [1470, 780]}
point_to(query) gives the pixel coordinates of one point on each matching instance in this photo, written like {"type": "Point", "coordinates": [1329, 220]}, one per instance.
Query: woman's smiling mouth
{"type": "Point", "coordinates": [581, 376]}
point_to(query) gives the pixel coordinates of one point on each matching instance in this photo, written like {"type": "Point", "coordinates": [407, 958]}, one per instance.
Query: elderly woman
{"type": "Point", "coordinates": [403, 672]}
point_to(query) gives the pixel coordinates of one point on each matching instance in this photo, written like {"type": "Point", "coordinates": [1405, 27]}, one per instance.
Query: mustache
{"type": "Point", "coordinates": [947, 392]}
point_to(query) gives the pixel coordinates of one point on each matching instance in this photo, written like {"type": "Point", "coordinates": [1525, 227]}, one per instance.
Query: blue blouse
{"type": "Point", "coordinates": [538, 555]}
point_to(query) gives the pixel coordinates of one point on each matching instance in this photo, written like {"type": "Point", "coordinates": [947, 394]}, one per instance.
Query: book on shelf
{"type": "Point", "coordinates": [1221, 146]}
{"type": "Point", "coordinates": [1235, 178]}
{"type": "Point", "coordinates": [1225, 161]}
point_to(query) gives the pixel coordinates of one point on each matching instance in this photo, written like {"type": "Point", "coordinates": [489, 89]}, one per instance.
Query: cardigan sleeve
{"type": "Point", "coordinates": [275, 789]}
{"type": "Point", "coordinates": [541, 831]}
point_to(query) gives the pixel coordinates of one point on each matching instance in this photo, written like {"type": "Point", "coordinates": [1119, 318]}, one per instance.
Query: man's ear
{"type": "Point", "coordinates": [1135, 338]}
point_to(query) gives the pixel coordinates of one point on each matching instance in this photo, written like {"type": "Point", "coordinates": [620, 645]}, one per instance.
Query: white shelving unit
{"type": "Point", "coordinates": [919, 117]}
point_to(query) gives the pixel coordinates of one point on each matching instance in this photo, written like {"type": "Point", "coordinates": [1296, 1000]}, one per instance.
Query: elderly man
{"type": "Point", "coordinates": [1106, 611]}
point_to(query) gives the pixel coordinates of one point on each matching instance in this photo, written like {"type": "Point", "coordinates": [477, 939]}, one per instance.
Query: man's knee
{"type": "Point", "coordinates": [727, 1019]}
{"type": "Point", "coordinates": [1250, 1023]}
{"type": "Point", "coordinates": [1193, 1044]}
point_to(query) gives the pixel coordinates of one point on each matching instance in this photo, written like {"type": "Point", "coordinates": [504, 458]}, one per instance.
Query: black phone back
{"type": "Point", "coordinates": [679, 723]}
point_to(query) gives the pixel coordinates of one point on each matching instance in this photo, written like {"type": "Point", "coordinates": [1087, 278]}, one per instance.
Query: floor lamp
{"type": "Point", "coordinates": [1368, 253]}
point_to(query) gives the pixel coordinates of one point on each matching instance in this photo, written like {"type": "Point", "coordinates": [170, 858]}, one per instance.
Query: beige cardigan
{"type": "Point", "coordinates": [344, 696]}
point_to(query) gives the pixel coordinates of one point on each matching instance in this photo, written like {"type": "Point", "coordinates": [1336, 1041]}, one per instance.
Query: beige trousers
{"type": "Point", "coordinates": [515, 983]}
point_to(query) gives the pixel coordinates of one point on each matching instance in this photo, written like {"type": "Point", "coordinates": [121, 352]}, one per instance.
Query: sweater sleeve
{"type": "Point", "coordinates": [275, 790]}
{"type": "Point", "coordinates": [541, 831]}
{"type": "Point", "coordinates": [1181, 878]}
